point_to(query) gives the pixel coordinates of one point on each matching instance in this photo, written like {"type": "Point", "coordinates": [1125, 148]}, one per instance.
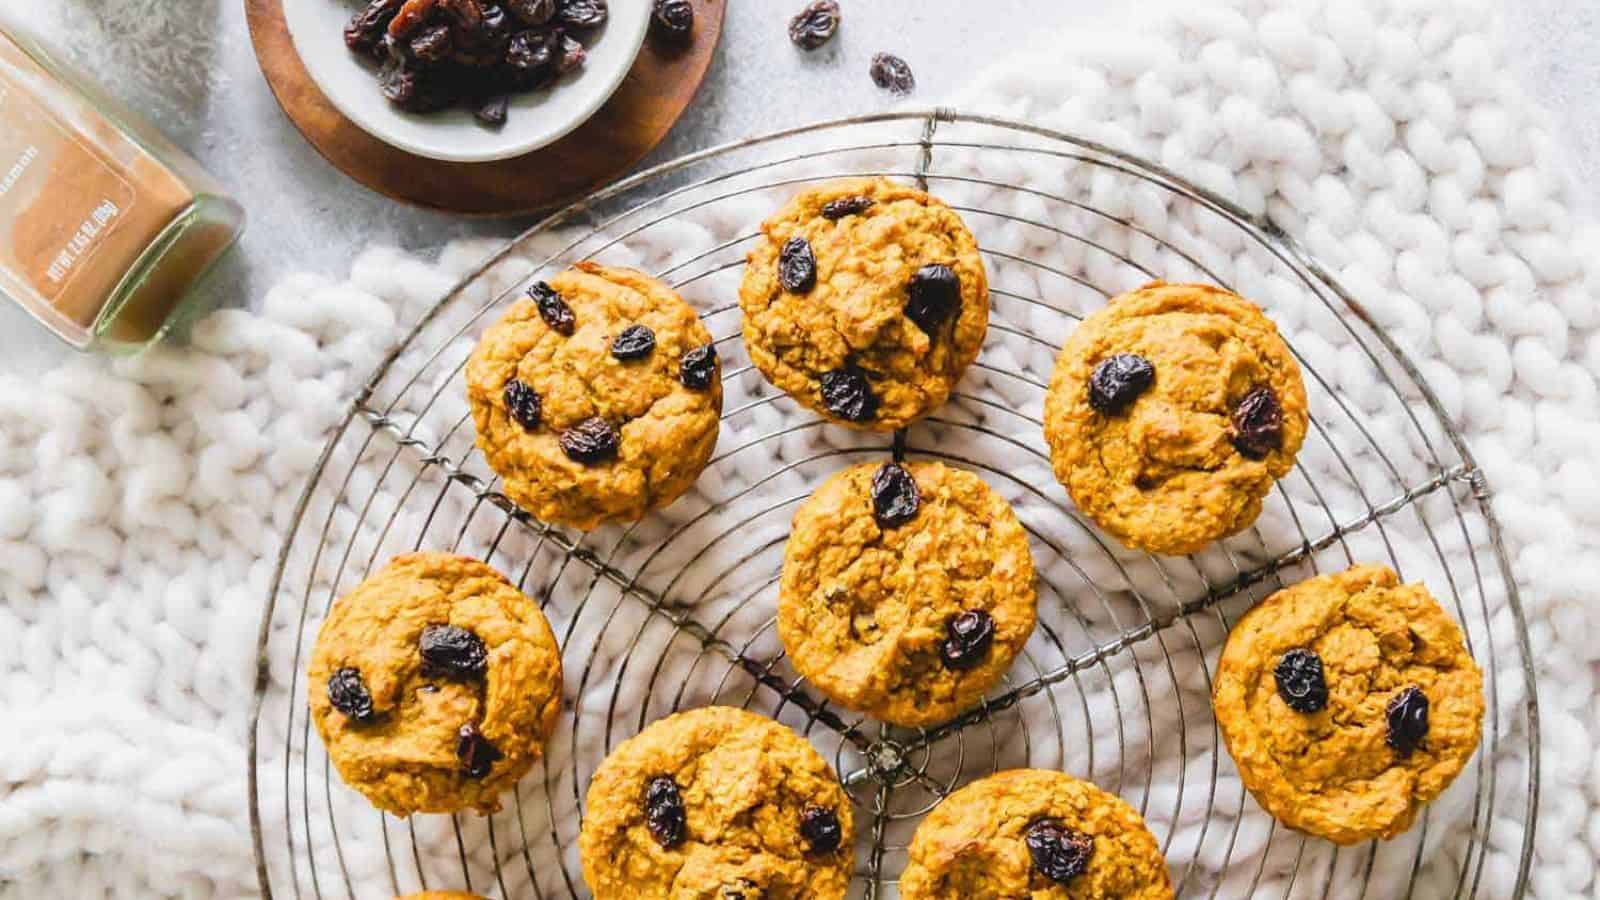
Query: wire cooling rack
{"type": "Point", "coordinates": [678, 611]}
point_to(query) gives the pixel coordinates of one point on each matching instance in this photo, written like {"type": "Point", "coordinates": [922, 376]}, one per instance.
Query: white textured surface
{"type": "Point", "coordinates": [134, 562]}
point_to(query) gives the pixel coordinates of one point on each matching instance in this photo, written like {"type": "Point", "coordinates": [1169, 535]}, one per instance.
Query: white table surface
{"type": "Point", "coordinates": [305, 215]}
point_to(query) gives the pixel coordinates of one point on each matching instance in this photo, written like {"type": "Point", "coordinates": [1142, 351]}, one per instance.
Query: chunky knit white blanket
{"type": "Point", "coordinates": [142, 503]}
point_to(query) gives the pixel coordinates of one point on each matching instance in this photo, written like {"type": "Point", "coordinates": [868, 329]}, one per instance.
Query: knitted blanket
{"type": "Point", "coordinates": [142, 503]}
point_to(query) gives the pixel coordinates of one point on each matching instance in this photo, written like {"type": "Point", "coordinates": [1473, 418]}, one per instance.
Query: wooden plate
{"type": "Point", "coordinates": [657, 90]}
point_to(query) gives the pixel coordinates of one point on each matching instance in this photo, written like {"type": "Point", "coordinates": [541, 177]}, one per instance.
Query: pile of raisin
{"type": "Point", "coordinates": [436, 54]}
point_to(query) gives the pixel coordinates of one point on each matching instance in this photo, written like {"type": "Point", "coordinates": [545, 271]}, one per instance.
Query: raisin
{"type": "Point", "coordinates": [820, 828]}
{"type": "Point", "coordinates": [698, 368]}
{"type": "Point", "coordinates": [935, 297]}
{"type": "Point", "coordinates": [1408, 720]}
{"type": "Point", "coordinates": [582, 13]}
{"type": "Point", "coordinates": [1258, 424]}
{"type": "Point", "coordinates": [891, 73]}
{"type": "Point", "coordinates": [366, 32]}
{"type": "Point", "coordinates": [572, 55]}
{"type": "Point", "coordinates": [797, 266]}
{"type": "Point", "coordinates": [477, 755]}
{"type": "Point", "coordinates": [591, 441]}
{"type": "Point", "coordinates": [635, 342]}
{"type": "Point", "coordinates": [524, 404]}
{"type": "Point", "coordinates": [1059, 853]}
{"type": "Point", "coordinates": [532, 12]}
{"type": "Point", "coordinates": [969, 637]}
{"type": "Point", "coordinates": [410, 89]}
{"type": "Point", "coordinates": [846, 394]}
{"type": "Point", "coordinates": [533, 52]}
{"type": "Point", "coordinates": [895, 498]}
{"type": "Point", "coordinates": [432, 44]}
{"type": "Point", "coordinates": [834, 210]}
{"type": "Point", "coordinates": [450, 651]}
{"type": "Point", "coordinates": [349, 694]}
{"type": "Point", "coordinates": [492, 111]}
{"type": "Point", "coordinates": [663, 812]}
{"type": "Point", "coordinates": [1118, 381]}
{"type": "Point", "coordinates": [1301, 683]}
{"type": "Point", "coordinates": [552, 309]}
{"type": "Point", "coordinates": [673, 19]}
{"type": "Point", "coordinates": [815, 25]}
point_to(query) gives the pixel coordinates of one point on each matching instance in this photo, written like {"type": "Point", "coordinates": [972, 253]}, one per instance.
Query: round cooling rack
{"type": "Point", "coordinates": [678, 611]}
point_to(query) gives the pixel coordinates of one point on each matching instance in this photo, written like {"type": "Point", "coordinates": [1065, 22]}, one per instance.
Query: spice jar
{"type": "Point", "coordinates": [105, 226]}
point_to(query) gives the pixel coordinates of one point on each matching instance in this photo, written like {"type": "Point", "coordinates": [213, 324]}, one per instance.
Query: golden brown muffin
{"type": "Point", "coordinates": [907, 590]}
{"type": "Point", "coordinates": [1170, 414]}
{"type": "Point", "coordinates": [1037, 834]}
{"type": "Point", "coordinates": [434, 685]}
{"type": "Point", "coordinates": [598, 398]}
{"type": "Point", "coordinates": [1348, 702]}
{"type": "Point", "coordinates": [865, 301]}
{"type": "Point", "coordinates": [713, 804]}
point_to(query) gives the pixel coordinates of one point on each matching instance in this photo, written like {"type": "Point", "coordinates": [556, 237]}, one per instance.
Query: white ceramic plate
{"type": "Point", "coordinates": [534, 120]}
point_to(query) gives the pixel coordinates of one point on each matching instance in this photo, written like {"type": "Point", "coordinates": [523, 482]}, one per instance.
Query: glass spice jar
{"type": "Point", "coordinates": [106, 227]}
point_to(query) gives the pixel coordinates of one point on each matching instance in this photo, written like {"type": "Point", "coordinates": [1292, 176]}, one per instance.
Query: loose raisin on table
{"type": "Point", "coordinates": [846, 394]}
{"type": "Point", "coordinates": [834, 210]}
{"type": "Point", "coordinates": [895, 498]}
{"type": "Point", "coordinates": [349, 694]}
{"type": "Point", "coordinates": [969, 637]}
{"type": "Point", "coordinates": [1300, 679]}
{"type": "Point", "coordinates": [366, 32]}
{"type": "Point", "coordinates": [476, 753]}
{"type": "Point", "coordinates": [532, 13]}
{"type": "Point", "coordinates": [552, 309]}
{"type": "Point", "coordinates": [935, 297]}
{"type": "Point", "coordinates": [1059, 853]}
{"type": "Point", "coordinates": [663, 812]}
{"type": "Point", "coordinates": [1408, 720]}
{"type": "Point", "coordinates": [591, 441]}
{"type": "Point", "coordinates": [635, 342]}
{"type": "Point", "coordinates": [1118, 381]}
{"type": "Point", "coordinates": [892, 73]}
{"type": "Point", "coordinates": [582, 13]}
{"type": "Point", "coordinates": [820, 828]}
{"type": "Point", "coordinates": [524, 404]}
{"type": "Point", "coordinates": [1258, 424]}
{"type": "Point", "coordinates": [797, 266]}
{"type": "Point", "coordinates": [450, 651]}
{"type": "Point", "coordinates": [698, 368]}
{"type": "Point", "coordinates": [815, 25]}
{"type": "Point", "coordinates": [673, 19]}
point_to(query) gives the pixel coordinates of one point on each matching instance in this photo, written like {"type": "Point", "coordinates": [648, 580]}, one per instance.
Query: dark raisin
{"type": "Point", "coordinates": [969, 636]}
{"type": "Point", "coordinates": [835, 210]}
{"type": "Point", "coordinates": [552, 309]}
{"type": "Point", "coordinates": [815, 25]}
{"type": "Point", "coordinates": [492, 111]}
{"type": "Point", "coordinates": [366, 32]}
{"type": "Point", "coordinates": [1059, 853]}
{"type": "Point", "coordinates": [412, 90]}
{"type": "Point", "coordinates": [663, 812]}
{"type": "Point", "coordinates": [820, 828]}
{"type": "Point", "coordinates": [1118, 381]}
{"type": "Point", "coordinates": [635, 342]}
{"type": "Point", "coordinates": [582, 13]}
{"type": "Point", "coordinates": [432, 44]}
{"type": "Point", "coordinates": [450, 651]}
{"type": "Point", "coordinates": [591, 441]}
{"type": "Point", "coordinates": [935, 296]}
{"type": "Point", "coordinates": [797, 266]}
{"type": "Point", "coordinates": [524, 404]}
{"type": "Point", "coordinates": [673, 19]}
{"type": "Point", "coordinates": [895, 498]}
{"type": "Point", "coordinates": [477, 755]}
{"type": "Point", "coordinates": [532, 12]}
{"type": "Point", "coordinates": [1301, 682]}
{"type": "Point", "coordinates": [698, 368]}
{"type": "Point", "coordinates": [891, 73]}
{"type": "Point", "coordinates": [1408, 720]}
{"type": "Point", "coordinates": [1258, 424]}
{"type": "Point", "coordinates": [349, 694]}
{"type": "Point", "coordinates": [846, 394]}
{"type": "Point", "coordinates": [533, 52]}
{"type": "Point", "coordinates": [571, 56]}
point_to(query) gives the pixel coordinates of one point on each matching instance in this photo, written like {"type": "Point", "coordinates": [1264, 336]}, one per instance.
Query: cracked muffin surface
{"type": "Point", "coordinates": [431, 645]}
{"type": "Point", "coordinates": [894, 310]}
{"type": "Point", "coordinates": [590, 406]}
{"type": "Point", "coordinates": [1179, 445]}
{"type": "Point", "coordinates": [975, 845]}
{"type": "Point", "coordinates": [867, 608]}
{"type": "Point", "coordinates": [1335, 769]}
{"type": "Point", "coordinates": [744, 788]}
